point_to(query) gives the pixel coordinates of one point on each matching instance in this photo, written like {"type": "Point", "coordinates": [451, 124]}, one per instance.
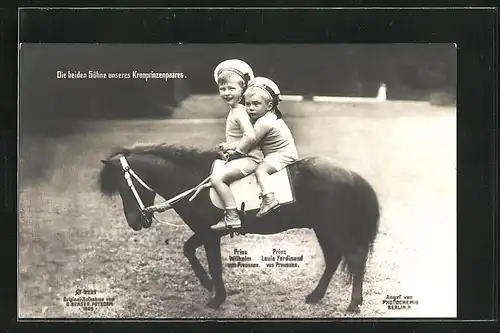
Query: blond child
{"type": "Point", "coordinates": [232, 77]}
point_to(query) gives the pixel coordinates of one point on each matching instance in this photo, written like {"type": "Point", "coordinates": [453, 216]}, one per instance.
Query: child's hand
{"type": "Point", "coordinates": [222, 155]}
{"type": "Point", "coordinates": [223, 146]}
{"type": "Point", "coordinates": [233, 154]}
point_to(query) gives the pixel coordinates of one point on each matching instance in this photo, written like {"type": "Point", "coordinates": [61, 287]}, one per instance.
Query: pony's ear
{"type": "Point", "coordinates": [112, 163]}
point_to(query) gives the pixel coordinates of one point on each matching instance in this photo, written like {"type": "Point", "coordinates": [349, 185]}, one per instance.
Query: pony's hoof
{"type": "Point", "coordinates": [353, 308]}
{"type": "Point", "coordinates": [313, 298]}
{"type": "Point", "coordinates": [214, 303]}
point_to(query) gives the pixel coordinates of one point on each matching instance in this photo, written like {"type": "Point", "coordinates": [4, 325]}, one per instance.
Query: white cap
{"type": "Point", "coordinates": [236, 66]}
{"type": "Point", "coordinates": [268, 86]}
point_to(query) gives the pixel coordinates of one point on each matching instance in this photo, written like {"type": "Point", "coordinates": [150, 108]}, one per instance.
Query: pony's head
{"type": "Point", "coordinates": [112, 181]}
{"type": "Point", "coordinates": [166, 168]}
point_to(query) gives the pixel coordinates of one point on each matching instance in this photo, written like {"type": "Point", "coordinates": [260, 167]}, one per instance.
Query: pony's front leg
{"type": "Point", "coordinates": [190, 247]}
{"type": "Point", "coordinates": [212, 248]}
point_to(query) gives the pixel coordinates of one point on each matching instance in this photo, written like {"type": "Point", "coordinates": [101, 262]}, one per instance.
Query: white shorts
{"type": "Point", "coordinates": [280, 160]}
{"type": "Point", "coordinates": [246, 165]}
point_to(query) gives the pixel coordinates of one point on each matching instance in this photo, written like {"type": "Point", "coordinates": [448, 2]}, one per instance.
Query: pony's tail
{"type": "Point", "coordinates": [364, 219]}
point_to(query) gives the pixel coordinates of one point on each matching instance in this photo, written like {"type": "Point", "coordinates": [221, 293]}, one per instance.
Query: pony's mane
{"type": "Point", "coordinates": [187, 157]}
{"type": "Point", "coordinates": [177, 153]}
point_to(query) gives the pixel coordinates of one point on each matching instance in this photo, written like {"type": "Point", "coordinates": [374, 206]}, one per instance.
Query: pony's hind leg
{"type": "Point", "coordinates": [356, 264]}
{"type": "Point", "coordinates": [190, 247]}
{"type": "Point", "coordinates": [332, 259]}
{"type": "Point", "coordinates": [212, 248]}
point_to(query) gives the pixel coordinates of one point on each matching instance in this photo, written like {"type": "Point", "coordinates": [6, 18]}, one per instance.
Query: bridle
{"type": "Point", "coordinates": [129, 173]}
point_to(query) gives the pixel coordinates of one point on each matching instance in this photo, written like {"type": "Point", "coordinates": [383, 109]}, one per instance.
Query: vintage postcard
{"type": "Point", "coordinates": [246, 181]}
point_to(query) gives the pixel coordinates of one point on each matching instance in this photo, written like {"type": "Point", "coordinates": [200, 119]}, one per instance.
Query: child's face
{"type": "Point", "coordinates": [256, 105]}
{"type": "Point", "coordinates": [231, 90]}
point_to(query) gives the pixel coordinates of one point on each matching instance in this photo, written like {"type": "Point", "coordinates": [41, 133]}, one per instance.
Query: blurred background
{"type": "Point", "coordinates": [410, 71]}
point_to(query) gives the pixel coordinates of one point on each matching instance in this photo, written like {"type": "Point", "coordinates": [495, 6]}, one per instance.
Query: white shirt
{"type": "Point", "coordinates": [240, 132]}
{"type": "Point", "coordinates": [274, 135]}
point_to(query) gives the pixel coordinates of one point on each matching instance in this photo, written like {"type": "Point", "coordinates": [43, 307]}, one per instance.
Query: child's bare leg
{"type": "Point", "coordinates": [262, 173]}
{"type": "Point", "coordinates": [269, 202]}
{"type": "Point", "coordinates": [219, 183]}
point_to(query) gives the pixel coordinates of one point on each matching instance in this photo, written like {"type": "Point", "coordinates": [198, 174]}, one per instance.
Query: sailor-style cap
{"type": "Point", "coordinates": [270, 88]}
{"type": "Point", "coordinates": [236, 66]}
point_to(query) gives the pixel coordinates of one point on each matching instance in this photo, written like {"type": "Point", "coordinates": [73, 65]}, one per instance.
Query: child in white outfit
{"type": "Point", "coordinates": [232, 77]}
{"type": "Point", "coordinates": [272, 135]}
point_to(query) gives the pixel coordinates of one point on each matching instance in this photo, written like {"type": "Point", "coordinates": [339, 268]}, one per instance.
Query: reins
{"type": "Point", "coordinates": [129, 173]}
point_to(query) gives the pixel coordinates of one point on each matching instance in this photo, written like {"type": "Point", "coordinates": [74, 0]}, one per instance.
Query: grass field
{"type": "Point", "coordinates": [71, 237]}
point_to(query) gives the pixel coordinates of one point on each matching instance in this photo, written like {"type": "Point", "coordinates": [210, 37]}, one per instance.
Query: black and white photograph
{"type": "Point", "coordinates": [237, 181]}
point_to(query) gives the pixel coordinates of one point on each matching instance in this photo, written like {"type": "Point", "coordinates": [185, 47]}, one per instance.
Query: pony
{"type": "Point", "coordinates": [338, 204]}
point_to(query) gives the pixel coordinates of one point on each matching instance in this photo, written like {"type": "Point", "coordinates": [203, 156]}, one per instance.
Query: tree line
{"type": "Point", "coordinates": [49, 105]}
